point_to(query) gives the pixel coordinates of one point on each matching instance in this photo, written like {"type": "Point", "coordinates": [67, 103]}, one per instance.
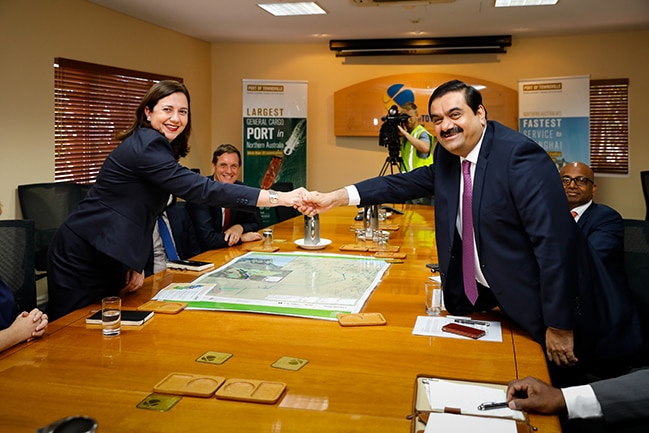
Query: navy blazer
{"type": "Point", "coordinates": [133, 188]}
{"type": "Point", "coordinates": [609, 317]}
{"type": "Point", "coordinates": [208, 222]}
{"type": "Point", "coordinates": [604, 228]}
{"type": "Point", "coordinates": [523, 230]}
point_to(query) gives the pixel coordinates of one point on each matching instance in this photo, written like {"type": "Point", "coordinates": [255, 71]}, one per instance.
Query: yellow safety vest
{"type": "Point", "coordinates": [409, 152]}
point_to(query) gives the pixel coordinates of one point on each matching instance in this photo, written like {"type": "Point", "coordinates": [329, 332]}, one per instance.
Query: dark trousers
{"type": "Point", "coordinates": [78, 274]}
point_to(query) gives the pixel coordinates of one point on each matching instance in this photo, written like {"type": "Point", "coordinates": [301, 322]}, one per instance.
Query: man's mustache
{"type": "Point", "coordinates": [454, 130]}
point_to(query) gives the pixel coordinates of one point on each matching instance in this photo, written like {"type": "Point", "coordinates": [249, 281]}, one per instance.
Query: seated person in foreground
{"type": "Point", "coordinates": [182, 236]}
{"type": "Point", "coordinates": [218, 227]}
{"type": "Point", "coordinates": [620, 404]}
{"type": "Point", "coordinates": [24, 327]}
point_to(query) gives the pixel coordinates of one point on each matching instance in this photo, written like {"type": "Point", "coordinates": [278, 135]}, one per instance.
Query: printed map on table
{"type": "Point", "coordinates": [311, 285]}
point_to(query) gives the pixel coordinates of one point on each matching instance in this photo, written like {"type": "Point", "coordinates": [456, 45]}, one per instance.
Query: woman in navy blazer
{"type": "Point", "coordinates": [103, 245]}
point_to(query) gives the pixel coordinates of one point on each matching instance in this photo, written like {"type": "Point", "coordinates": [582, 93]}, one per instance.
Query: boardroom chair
{"type": "Point", "coordinates": [644, 178]}
{"type": "Point", "coordinates": [17, 261]}
{"type": "Point", "coordinates": [48, 205]}
{"type": "Point", "coordinates": [636, 264]}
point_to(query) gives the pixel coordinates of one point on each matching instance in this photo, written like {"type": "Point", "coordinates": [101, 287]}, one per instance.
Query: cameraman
{"type": "Point", "coordinates": [416, 145]}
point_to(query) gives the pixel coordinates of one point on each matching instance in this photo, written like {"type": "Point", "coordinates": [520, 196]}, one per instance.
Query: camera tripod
{"type": "Point", "coordinates": [391, 162]}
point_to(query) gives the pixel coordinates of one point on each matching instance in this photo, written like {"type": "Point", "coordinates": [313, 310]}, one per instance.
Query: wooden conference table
{"type": "Point", "coordinates": [357, 379]}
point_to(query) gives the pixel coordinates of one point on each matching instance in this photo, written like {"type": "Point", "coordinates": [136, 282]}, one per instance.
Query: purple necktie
{"type": "Point", "coordinates": [468, 259]}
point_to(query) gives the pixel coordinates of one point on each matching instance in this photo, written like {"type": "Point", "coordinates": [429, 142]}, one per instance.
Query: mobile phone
{"type": "Point", "coordinates": [466, 331]}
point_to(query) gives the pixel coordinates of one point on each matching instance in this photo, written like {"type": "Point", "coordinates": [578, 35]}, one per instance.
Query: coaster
{"type": "Point", "coordinates": [389, 248]}
{"type": "Point", "coordinates": [211, 357]}
{"type": "Point", "coordinates": [352, 247]}
{"type": "Point", "coordinates": [289, 363]}
{"type": "Point", "coordinates": [264, 249]}
{"type": "Point", "coordinates": [389, 255]}
{"type": "Point", "coordinates": [361, 319]}
{"type": "Point", "coordinates": [189, 384]}
{"type": "Point", "coordinates": [163, 306]}
{"type": "Point", "coordinates": [161, 403]}
{"type": "Point", "coordinates": [255, 391]}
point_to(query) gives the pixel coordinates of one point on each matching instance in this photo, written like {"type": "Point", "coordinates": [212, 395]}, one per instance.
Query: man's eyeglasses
{"type": "Point", "coordinates": [579, 180]}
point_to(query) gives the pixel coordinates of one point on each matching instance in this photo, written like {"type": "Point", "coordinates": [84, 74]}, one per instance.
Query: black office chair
{"type": "Point", "coordinates": [48, 204]}
{"type": "Point", "coordinates": [636, 264]}
{"type": "Point", "coordinates": [644, 178]}
{"type": "Point", "coordinates": [284, 213]}
{"type": "Point", "coordinates": [17, 261]}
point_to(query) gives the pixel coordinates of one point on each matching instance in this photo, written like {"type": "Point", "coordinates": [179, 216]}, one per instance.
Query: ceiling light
{"type": "Point", "coordinates": [288, 9]}
{"type": "Point", "coordinates": [511, 3]}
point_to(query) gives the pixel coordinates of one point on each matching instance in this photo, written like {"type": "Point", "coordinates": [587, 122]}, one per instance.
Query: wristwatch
{"type": "Point", "coordinates": [273, 196]}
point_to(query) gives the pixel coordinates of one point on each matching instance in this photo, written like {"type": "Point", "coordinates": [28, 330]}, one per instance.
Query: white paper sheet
{"type": "Point", "coordinates": [432, 326]}
{"type": "Point", "coordinates": [451, 423]}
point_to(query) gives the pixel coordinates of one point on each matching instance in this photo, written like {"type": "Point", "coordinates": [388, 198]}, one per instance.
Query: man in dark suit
{"type": "Point", "coordinates": [619, 404]}
{"type": "Point", "coordinates": [180, 227]}
{"type": "Point", "coordinates": [602, 225]}
{"type": "Point", "coordinates": [523, 236]}
{"type": "Point", "coordinates": [603, 273]}
{"type": "Point", "coordinates": [218, 227]}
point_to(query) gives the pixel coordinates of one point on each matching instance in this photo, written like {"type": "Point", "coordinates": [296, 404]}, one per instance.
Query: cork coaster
{"type": "Point", "coordinates": [263, 249]}
{"type": "Point", "coordinates": [256, 391]}
{"type": "Point", "coordinates": [389, 255]}
{"type": "Point", "coordinates": [352, 247]}
{"type": "Point", "coordinates": [189, 384]}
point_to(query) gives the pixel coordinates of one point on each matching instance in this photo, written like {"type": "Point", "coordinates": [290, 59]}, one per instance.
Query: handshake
{"type": "Point", "coordinates": [311, 203]}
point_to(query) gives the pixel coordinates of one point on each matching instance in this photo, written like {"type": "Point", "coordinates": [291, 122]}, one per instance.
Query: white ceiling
{"type": "Point", "coordinates": [244, 21]}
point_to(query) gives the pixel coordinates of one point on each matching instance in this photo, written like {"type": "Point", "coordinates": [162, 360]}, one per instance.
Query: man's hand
{"type": "Point", "coordinates": [530, 394]}
{"type": "Point", "coordinates": [251, 236]}
{"type": "Point", "coordinates": [560, 346]}
{"type": "Point", "coordinates": [134, 280]}
{"type": "Point", "coordinates": [319, 202]}
{"type": "Point", "coordinates": [233, 234]}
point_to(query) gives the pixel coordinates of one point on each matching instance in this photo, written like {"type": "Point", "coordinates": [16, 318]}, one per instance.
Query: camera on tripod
{"type": "Point", "coordinates": [389, 133]}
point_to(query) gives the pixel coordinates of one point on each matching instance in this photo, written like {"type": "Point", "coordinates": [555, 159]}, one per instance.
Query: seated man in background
{"type": "Point", "coordinates": [218, 227]}
{"type": "Point", "coordinates": [181, 242]}
{"type": "Point", "coordinates": [603, 230]}
{"type": "Point", "coordinates": [619, 404]}
{"type": "Point", "coordinates": [602, 225]}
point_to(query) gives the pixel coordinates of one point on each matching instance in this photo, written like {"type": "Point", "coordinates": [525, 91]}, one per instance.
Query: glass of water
{"type": "Point", "coordinates": [111, 315]}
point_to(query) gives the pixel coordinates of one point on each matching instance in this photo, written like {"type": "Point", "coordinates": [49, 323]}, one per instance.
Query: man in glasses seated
{"type": "Point", "coordinates": [602, 225]}
{"type": "Point", "coordinates": [603, 229]}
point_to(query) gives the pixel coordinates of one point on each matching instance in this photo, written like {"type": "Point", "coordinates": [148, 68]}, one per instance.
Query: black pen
{"type": "Point", "coordinates": [471, 322]}
{"type": "Point", "coordinates": [493, 405]}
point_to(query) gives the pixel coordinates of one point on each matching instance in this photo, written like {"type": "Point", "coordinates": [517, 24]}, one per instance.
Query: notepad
{"type": "Point", "coordinates": [189, 265]}
{"type": "Point", "coordinates": [129, 317]}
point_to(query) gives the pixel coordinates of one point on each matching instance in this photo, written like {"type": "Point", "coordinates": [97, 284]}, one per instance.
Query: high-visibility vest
{"type": "Point", "coordinates": [409, 152]}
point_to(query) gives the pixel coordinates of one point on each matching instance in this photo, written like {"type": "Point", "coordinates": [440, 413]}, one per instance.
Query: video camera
{"type": "Point", "coordinates": [389, 133]}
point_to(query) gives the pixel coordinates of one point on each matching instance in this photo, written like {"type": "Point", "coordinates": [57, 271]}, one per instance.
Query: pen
{"type": "Point", "coordinates": [493, 405]}
{"type": "Point", "coordinates": [471, 322]}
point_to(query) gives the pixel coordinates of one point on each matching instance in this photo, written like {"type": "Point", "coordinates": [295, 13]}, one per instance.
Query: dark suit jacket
{"type": "Point", "coordinates": [610, 318]}
{"type": "Point", "coordinates": [604, 229]}
{"type": "Point", "coordinates": [524, 233]}
{"type": "Point", "coordinates": [207, 221]}
{"type": "Point", "coordinates": [133, 188]}
{"type": "Point", "coordinates": [625, 398]}
{"type": "Point", "coordinates": [183, 233]}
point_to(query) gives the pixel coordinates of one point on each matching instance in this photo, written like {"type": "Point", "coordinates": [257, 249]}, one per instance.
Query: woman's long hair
{"type": "Point", "coordinates": [162, 89]}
